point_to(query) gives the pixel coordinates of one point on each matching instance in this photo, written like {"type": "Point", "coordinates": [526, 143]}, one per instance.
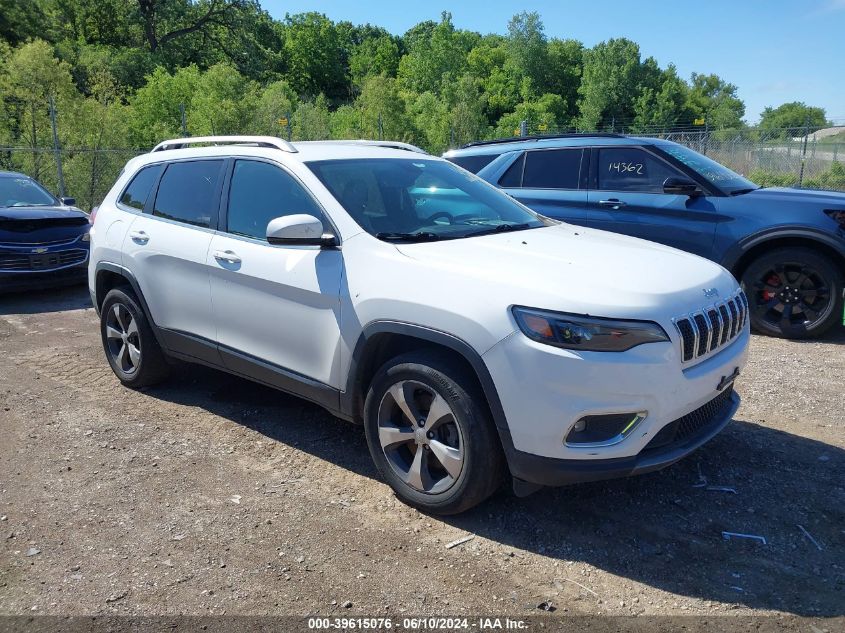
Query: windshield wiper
{"type": "Point", "coordinates": [501, 228]}
{"type": "Point", "coordinates": [739, 192]}
{"type": "Point", "coordinates": [417, 236]}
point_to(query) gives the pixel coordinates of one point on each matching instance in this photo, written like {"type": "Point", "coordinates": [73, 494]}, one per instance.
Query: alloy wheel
{"type": "Point", "coordinates": [122, 338]}
{"type": "Point", "coordinates": [791, 295]}
{"type": "Point", "coordinates": [420, 437]}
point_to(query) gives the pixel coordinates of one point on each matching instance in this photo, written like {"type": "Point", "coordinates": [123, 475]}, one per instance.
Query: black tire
{"type": "Point", "coordinates": [150, 366]}
{"type": "Point", "coordinates": [468, 424]}
{"type": "Point", "coordinates": [793, 293]}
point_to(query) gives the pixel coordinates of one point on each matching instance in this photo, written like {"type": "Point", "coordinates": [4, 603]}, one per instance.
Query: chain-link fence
{"type": "Point", "coordinates": [788, 157]}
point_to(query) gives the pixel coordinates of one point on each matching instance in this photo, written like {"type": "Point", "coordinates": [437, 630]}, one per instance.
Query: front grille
{"type": "Point", "coordinates": [714, 326]}
{"type": "Point", "coordinates": [41, 262]}
{"type": "Point", "coordinates": [692, 424]}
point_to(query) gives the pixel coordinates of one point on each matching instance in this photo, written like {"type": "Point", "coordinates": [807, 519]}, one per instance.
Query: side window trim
{"type": "Point", "coordinates": [214, 222]}
{"type": "Point", "coordinates": [520, 157]}
{"type": "Point", "coordinates": [594, 168]}
{"type": "Point", "coordinates": [579, 179]}
{"type": "Point", "coordinates": [223, 215]}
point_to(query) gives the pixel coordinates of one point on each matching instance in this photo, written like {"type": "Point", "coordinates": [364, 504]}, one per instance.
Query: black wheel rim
{"type": "Point", "coordinates": [122, 339]}
{"type": "Point", "coordinates": [791, 296]}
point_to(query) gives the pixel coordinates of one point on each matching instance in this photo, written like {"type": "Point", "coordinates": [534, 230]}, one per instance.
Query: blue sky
{"type": "Point", "coordinates": [773, 50]}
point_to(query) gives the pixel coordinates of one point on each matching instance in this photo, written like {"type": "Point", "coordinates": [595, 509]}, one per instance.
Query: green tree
{"type": "Point", "coordinates": [430, 58]}
{"type": "Point", "coordinates": [610, 84]}
{"type": "Point", "coordinates": [32, 76]}
{"type": "Point", "coordinates": [224, 102]}
{"type": "Point", "coordinates": [565, 65]}
{"type": "Point", "coordinates": [156, 113]}
{"type": "Point", "coordinates": [315, 56]}
{"type": "Point", "coordinates": [466, 105]}
{"type": "Point", "coordinates": [796, 114]}
{"type": "Point", "coordinates": [20, 21]}
{"type": "Point", "coordinates": [383, 110]}
{"type": "Point", "coordinates": [664, 106]}
{"type": "Point", "coordinates": [540, 114]}
{"type": "Point", "coordinates": [714, 99]}
{"type": "Point", "coordinates": [276, 101]}
{"type": "Point", "coordinates": [375, 56]}
{"type": "Point", "coordinates": [312, 120]}
{"type": "Point", "coordinates": [528, 49]}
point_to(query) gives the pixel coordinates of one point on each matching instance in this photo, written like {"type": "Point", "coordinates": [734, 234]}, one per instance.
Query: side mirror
{"type": "Point", "coordinates": [681, 187]}
{"type": "Point", "coordinates": [299, 230]}
{"type": "Point", "coordinates": [68, 202]}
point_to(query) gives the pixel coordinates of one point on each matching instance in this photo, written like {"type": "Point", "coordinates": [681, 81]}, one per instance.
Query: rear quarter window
{"type": "Point", "coordinates": [136, 193]}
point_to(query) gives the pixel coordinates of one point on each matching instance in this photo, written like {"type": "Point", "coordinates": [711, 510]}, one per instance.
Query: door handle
{"type": "Point", "coordinates": [227, 256]}
{"type": "Point", "coordinates": [139, 237]}
{"type": "Point", "coordinates": [613, 203]}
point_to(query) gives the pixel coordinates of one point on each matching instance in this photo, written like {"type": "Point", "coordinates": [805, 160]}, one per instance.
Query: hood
{"type": "Point", "coordinates": [41, 213]}
{"type": "Point", "coordinates": [817, 197]}
{"type": "Point", "coordinates": [37, 225]}
{"type": "Point", "coordinates": [575, 269]}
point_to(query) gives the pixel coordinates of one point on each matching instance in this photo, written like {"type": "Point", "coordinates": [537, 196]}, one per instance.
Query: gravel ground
{"type": "Point", "coordinates": [212, 495]}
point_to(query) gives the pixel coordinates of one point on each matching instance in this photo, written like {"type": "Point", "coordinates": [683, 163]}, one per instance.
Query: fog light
{"type": "Point", "coordinates": [603, 430]}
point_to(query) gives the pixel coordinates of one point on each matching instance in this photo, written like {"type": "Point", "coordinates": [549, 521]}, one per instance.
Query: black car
{"type": "Point", "coordinates": [43, 239]}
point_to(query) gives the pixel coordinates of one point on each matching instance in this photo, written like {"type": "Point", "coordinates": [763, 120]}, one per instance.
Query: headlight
{"type": "Point", "coordinates": [586, 333]}
{"type": "Point", "coordinates": [86, 237]}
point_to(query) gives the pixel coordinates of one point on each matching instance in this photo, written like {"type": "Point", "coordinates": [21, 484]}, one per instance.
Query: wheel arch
{"type": "Point", "coordinates": [382, 340]}
{"type": "Point", "coordinates": [108, 276]}
{"type": "Point", "coordinates": [745, 252]}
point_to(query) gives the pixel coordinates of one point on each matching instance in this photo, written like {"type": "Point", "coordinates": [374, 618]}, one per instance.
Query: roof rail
{"type": "Point", "coordinates": [257, 141]}
{"type": "Point", "coordinates": [390, 144]}
{"type": "Point", "coordinates": [542, 137]}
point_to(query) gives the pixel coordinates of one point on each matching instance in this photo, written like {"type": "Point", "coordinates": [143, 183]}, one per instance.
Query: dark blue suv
{"type": "Point", "coordinates": [43, 239]}
{"type": "Point", "coordinates": [786, 246]}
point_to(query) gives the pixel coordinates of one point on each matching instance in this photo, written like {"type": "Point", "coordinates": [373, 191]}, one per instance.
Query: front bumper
{"type": "Point", "coordinates": [547, 471]}
{"type": "Point", "coordinates": [544, 391]}
{"type": "Point", "coordinates": [50, 274]}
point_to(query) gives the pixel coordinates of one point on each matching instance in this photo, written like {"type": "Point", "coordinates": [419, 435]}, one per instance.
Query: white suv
{"type": "Point", "coordinates": [470, 336]}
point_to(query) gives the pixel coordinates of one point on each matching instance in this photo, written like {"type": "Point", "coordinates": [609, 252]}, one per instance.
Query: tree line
{"type": "Point", "coordinates": [128, 73]}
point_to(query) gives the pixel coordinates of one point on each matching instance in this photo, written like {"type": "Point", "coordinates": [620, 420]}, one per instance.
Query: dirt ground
{"type": "Point", "coordinates": [212, 495]}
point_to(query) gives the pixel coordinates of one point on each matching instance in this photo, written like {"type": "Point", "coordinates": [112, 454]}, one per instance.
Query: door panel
{"type": "Point", "coordinates": [549, 182]}
{"type": "Point", "coordinates": [278, 304]}
{"type": "Point", "coordinates": [166, 247]}
{"type": "Point", "coordinates": [627, 197]}
{"type": "Point", "coordinates": [275, 304]}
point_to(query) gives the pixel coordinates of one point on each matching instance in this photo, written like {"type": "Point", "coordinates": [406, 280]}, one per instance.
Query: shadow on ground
{"type": "Point", "coordinates": [48, 300]}
{"type": "Point", "coordinates": [662, 529]}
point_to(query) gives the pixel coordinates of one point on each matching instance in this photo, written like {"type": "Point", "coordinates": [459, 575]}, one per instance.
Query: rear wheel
{"type": "Point", "coordinates": [793, 293]}
{"type": "Point", "coordinates": [430, 434]}
{"type": "Point", "coordinates": [129, 342]}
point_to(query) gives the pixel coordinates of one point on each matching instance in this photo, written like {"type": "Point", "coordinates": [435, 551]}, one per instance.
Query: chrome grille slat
{"type": "Point", "coordinates": [705, 331]}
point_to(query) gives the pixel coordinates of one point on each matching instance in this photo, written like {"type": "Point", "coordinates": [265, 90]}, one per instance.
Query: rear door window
{"type": "Point", "coordinates": [136, 194]}
{"type": "Point", "coordinates": [188, 192]}
{"type": "Point", "coordinates": [552, 169]}
{"type": "Point", "coordinates": [632, 169]}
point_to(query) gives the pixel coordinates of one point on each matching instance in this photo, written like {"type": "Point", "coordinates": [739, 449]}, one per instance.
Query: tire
{"type": "Point", "coordinates": [123, 328]}
{"type": "Point", "coordinates": [793, 293]}
{"type": "Point", "coordinates": [460, 458]}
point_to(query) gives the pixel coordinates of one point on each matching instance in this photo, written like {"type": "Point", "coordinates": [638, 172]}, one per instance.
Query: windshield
{"type": "Point", "coordinates": [419, 199]}
{"type": "Point", "coordinates": [19, 191]}
{"type": "Point", "coordinates": [715, 173]}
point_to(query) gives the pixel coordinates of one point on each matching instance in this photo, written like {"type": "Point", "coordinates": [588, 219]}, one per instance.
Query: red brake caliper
{"type": "Point", "coordinates": [774, 280]}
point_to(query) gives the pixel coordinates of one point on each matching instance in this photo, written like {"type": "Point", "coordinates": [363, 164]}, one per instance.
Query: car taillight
{"type": "Point", "coordinates": [93, 215]}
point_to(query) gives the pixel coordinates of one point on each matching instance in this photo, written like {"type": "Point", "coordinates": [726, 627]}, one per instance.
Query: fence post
{"type": "Point", "coordinates": [184, 120]}
{"type": "Point", "coordinates": [380, 127]}
{"type": "Point", "coordinates": [523, 128]}
{"type": "Point", "coordinates": [706, 136]}
{"type": "Point", "coordinates": [56, 149]}
{"type": "Point", "coordinates": [804, 153]}
{"type": "Point", "coordinates": [289, 126]}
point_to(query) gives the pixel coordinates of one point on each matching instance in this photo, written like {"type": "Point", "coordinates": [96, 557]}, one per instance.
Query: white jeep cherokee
{"type": "Point", "coordinates": [469, 335]}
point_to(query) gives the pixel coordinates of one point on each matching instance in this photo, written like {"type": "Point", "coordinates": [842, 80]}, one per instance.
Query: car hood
{"type": "Point", "coordinates": [575, 269]}
{"type": "Point", "coordinates": [40, 213]}
{"type": "Point", "coordinates": [816, 197]}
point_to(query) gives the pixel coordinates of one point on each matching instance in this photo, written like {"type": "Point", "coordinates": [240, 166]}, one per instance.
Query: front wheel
{"type": "Point", "coordinates": [793, 293]}
{"type": "Point", "coordinates": [430, 434]}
